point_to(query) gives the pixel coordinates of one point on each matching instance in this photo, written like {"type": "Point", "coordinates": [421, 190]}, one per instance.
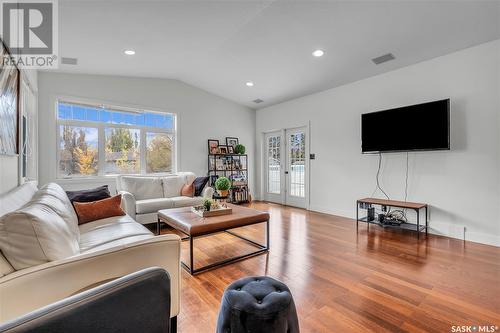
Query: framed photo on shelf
{"type": "Point", "coordinates": [223, 150]}
{"type": "Point", "coordinates": [231, 142]}
{"type": "Point", "coordinates": [230, 149]}
{"type": "Point", "coordinates": [213, 146]}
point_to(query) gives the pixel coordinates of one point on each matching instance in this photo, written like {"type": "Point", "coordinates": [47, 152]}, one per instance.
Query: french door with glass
{"type": "Point", "coordinates": [286, 167]}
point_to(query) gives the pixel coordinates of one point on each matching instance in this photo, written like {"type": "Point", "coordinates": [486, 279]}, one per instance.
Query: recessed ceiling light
{"type": "Point", "coordinates": [318, 53]}
{"type": "Point", "coordinates": [249, 84]}
{"type": "Point", "coordinates": [129, 52]}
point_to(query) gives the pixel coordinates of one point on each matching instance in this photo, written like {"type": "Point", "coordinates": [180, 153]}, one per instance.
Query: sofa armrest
{"type": "Point", "coordinates": [31, 288]}
{"type": "Point", "coordinates": [207, 192]}
{"type": "Point", "coordinates": [138, 302]}
{"type": "Point", "coordinates": [128, 203]}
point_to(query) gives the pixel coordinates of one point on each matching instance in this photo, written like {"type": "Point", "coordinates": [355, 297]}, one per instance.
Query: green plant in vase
{"type": "Point", "coordinates": [222, 185]}
{"type": "Point", "coordinates": [239, 149]}
{"type": "Point", "coordinates": [207, 204]}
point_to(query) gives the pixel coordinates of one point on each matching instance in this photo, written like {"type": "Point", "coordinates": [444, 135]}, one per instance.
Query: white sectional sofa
{"type": "Point", "coordinates": [46, 256]}
{"type": "Point", "coordinates": [144, 196]}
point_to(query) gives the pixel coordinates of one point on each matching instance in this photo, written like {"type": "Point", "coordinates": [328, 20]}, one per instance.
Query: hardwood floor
{"type": "Point", "coordinates": [343, 281]}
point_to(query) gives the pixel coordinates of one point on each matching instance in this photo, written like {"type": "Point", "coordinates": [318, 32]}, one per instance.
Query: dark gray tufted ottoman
{"type": "Point", "coordinates": [257, 304]}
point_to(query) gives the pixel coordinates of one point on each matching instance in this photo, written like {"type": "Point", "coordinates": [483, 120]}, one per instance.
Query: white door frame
{"type": "Point", "coordinates": [281, 199]}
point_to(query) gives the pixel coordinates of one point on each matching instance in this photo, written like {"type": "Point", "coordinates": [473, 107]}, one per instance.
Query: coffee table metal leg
{"type": "Point", "coordinates": [191, 255]}
{"type": "Point", "coordinates": [192, 270]}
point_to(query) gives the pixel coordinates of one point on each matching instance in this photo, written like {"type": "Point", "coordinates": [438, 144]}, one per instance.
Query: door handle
{"type": "Point", "coordinates": [286, 172]}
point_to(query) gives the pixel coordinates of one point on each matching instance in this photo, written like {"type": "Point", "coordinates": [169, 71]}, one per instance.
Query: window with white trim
{"type": "Point", "coordinates": [100, 140]}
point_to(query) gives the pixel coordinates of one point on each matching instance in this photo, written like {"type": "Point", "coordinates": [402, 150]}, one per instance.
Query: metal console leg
{"type": "Point", "coordinates": [418, 223]}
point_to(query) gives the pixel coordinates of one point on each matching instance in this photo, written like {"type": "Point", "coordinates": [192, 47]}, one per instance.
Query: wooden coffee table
{"type": "Point", "coordinates": [193, 226]}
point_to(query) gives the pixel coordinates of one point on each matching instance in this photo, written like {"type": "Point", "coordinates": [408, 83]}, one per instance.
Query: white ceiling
{"type": "Point", "coordinates": [219, 45]}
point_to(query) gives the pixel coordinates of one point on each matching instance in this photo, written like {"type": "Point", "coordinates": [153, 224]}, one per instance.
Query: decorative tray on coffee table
{"type": "Point", "coordinates": [200, 211]}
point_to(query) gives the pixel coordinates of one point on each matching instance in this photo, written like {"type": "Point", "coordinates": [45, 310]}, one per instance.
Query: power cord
{"type": "Point", "coordinates": [378, 187]}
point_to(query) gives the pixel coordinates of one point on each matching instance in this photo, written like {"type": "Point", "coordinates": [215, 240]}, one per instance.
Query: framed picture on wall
{"type": "Point", "coordinates": [230, 141]}
{"type": "Point", "coordinates": [9, 106]}
{"type": "Point", "coordinates": [230, 150]}
{"type": "Point", "coordinates": [213, 146]}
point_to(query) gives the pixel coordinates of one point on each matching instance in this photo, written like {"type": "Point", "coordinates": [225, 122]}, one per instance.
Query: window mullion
{"type": "Point", "coordinates": [143, 151]}
{"type": "Point", "coordinates": [101, 143]}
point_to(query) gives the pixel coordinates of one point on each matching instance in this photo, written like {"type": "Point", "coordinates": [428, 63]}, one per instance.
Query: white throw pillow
{"type": "Point", "coordinates": [172, 186]}
{"type": "Point", "coordinates": [53, 196]}
{"type": "Point", "coordinates": [143, 187]}
{"type": "Point", "coordinates": [35, 234]}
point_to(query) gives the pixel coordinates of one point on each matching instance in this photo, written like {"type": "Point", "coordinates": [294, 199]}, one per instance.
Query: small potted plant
{"type": "Point", "coordinates": [207, 204]}
{"type": "Point", "coordinates": [222, 185]}
{"type": "Point", "coordinates": [239, 149]}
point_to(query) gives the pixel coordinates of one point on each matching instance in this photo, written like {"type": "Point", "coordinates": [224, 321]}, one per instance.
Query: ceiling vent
{"type": "Point", "coordinates": [257, 101]}
{"type": "Point", "coordinates": [383, 58]}
{"type": "Point", "coordinates": [69, 61]}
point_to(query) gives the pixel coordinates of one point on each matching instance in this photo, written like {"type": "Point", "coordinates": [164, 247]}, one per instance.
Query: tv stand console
{"type": "Point", "coordinates": [366, 203]}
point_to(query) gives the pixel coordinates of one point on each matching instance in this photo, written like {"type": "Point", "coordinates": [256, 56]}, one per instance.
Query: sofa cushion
{"type": "Point", "coordinates": [143, 187]}
{"type": "Point", "coordinates": [35, 234]}
{"type": "Point", "coordinates": [187, 201]}
{"type": "Point", "coordinates": [5, 266]}
{"type": "Point", "coordinates": [52, 195]}
{"type": "Point", "coordinates": [153, 205]}
{"type": "Point", "coordinates": [199, 184]}
{"type": "Point", "coordinates": [108, 231]}
{"type": "Point", "coordinates": [187, 190]}
{"type": "Point", "coordinates": [172, 186]}
{"type": "Point", "coordinates": [98, 193]}
{"type": "Point", "coordinates": [98, 210]}
{"type": "Point", "coordinates": [17, 197]}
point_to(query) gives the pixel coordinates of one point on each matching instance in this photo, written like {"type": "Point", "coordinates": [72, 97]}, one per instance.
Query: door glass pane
{"type": "Point", "coordinates": [122, 150]}
{"type": "Point", "coordinates": [273, 165]}
{"type": "Point", "coordinates": [297, 164]}
{"type": "Point", "coordinates": [159, 152]}
{"type": "Point", "coordinates": [78, 151]}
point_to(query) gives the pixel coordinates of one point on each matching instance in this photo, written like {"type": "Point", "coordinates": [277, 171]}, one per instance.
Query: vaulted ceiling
{"type": "Point", "coordinates": [220, 45]}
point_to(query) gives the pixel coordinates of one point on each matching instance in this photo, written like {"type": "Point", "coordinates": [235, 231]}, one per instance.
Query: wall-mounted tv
{"type": "Point", "coordinates": [423, 126]}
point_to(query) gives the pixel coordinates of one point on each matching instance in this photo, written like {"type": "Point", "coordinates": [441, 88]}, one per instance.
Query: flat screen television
{"type": "Point", "coordinates": [423, 126]}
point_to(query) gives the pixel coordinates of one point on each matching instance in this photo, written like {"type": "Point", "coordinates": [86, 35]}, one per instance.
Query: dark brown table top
{"type": "Point", "coordinates": [183, 219]}
{"type": "Point", "coordinates": [394, 203]}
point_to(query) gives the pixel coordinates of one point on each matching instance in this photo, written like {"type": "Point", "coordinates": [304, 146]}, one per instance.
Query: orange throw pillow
{"type": "Point", "coordinates": [188, 190]}
{"type": "Point", "coordinates": [96, 210]}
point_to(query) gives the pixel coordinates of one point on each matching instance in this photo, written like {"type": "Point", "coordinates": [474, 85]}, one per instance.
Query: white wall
{"type": "Point", "coordinates": [462, 185]}
{"type": "Point", "coordinates": [9, 165]}
{"type": "Point", "coordinates": [201, 116]}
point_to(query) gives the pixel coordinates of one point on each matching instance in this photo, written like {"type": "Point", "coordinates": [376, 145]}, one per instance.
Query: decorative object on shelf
{"type": "Point", "coordinates": [232, 142]}
{"type": "Point", "coordinates": [230, 150]}
{"type": "Point", "coordinates": [223, 150]}
{"type": "Point", "coordinates": [239, 149]}
{"type": "Point", "coordinates": [222, 185]}
{"type": "Point", "coordinates": [213, 146]}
